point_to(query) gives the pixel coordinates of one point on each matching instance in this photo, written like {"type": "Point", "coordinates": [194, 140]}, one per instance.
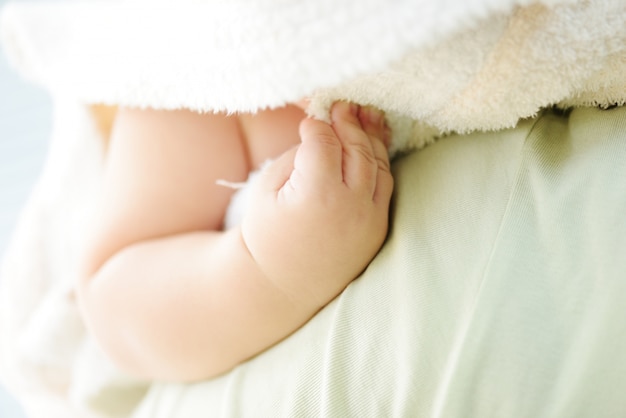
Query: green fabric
{"type": "Point", "coordinates": [498, 293]}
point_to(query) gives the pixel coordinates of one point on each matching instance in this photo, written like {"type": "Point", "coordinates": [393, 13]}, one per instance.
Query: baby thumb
{"type": "Point", "coordinates": [275, 173]}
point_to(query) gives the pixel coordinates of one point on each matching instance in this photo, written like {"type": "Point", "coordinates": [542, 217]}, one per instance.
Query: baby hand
{"type": "Point", "coordinates": [320, 212]}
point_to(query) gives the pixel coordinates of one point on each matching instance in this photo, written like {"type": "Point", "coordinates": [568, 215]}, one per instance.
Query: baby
{"type": "Point", "coordinates": [168, 293]}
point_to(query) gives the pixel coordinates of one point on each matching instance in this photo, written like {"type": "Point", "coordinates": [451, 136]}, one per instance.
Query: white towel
{"type": "Point", "coordinates": [445, 65]}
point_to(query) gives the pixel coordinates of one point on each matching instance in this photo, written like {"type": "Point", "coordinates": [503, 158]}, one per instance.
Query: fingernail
{"type": "Point", "coordinates": [354, 108]}
{"type": "Point", "coordinates": [375, 115]}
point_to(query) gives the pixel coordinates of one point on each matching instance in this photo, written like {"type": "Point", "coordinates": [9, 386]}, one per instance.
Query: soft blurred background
{"type": "Point", "coordinates": [25, 124]}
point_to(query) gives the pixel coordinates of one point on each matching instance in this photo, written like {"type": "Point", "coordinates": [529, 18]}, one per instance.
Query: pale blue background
{"type": "Point", "coordinates": [25, 123]}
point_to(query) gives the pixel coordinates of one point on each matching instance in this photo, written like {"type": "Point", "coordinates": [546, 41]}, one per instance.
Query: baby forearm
{"type": "Point", "coordinates": [187, 307]}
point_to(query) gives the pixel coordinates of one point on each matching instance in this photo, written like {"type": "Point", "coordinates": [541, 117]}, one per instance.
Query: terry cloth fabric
{"type": "Point", "coordinates": [434, 66]}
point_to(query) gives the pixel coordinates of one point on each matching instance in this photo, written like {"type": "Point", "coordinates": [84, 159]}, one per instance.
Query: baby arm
{"type": "Point", "coordinates": [193, 305]}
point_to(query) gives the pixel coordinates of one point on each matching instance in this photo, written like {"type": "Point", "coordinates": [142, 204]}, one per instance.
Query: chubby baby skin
{"type": "Point", "coordinates": [171, 296]}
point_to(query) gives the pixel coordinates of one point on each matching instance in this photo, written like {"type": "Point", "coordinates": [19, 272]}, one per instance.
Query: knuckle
{"type": "Point", "coordinates": [383, 163]}
{"type": "Point", "coordinates": [327, 139]}
{"type": "Point", "coordinates": [318, 132]}
{"type": "Point", "coordinates": [364, 152]}
{"type": "Point", "coordinates": [313, 127]}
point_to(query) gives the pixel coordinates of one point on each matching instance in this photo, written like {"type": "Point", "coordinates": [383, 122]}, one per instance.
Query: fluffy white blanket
{"type": "Point", "coordinates": [434, 66]}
